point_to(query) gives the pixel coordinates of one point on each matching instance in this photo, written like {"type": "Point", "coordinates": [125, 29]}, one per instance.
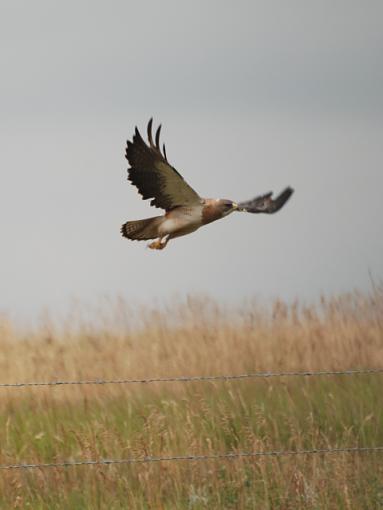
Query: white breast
{"type": "Point", "coordinates": [181, 220]}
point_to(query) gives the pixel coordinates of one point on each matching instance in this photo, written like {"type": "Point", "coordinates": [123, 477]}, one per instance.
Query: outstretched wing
{"type": "Point", "coordinates": [265, 203]}
{"type": "Point", "coordinates": [154, 177]}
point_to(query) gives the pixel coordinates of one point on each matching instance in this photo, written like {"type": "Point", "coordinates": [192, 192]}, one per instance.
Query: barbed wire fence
{"type": "Point", "coordinates": [202, 378]}
{"type": "Point", "coordinates": [215, 456]}
{"type": "Point", "coordinates": [209, 457]}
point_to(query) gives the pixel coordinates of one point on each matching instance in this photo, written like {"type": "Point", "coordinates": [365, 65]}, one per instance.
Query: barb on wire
{"type": "Point", "coordinates": [215, 456]}
{"type": "Point", "coordinates": [305, 373]}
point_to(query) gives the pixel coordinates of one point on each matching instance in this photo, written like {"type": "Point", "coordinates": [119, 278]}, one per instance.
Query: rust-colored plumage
{"type": "Point", "coordinates": [185, 210]}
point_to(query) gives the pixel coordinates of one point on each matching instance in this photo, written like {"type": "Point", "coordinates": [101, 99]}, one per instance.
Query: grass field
{"type": "Point", "coordinates": [198, 337]}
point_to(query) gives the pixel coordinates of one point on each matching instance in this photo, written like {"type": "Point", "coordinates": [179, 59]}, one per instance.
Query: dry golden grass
{"type": "Point", "coordinates": [198, 337]}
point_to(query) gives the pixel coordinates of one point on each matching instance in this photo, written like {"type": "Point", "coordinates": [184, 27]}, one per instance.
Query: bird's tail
{"type": "Point", "coordinates": [141, 230]}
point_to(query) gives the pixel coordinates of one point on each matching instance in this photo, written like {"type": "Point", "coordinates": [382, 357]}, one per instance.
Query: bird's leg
{"type": "Point", "coordinates": [165, 242]}
{"type": "Point", "coordinates": [158, 244]}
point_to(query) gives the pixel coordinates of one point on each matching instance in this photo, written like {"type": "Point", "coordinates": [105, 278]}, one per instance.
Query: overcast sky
{"type": "Point", "coordinates": [252, 95]}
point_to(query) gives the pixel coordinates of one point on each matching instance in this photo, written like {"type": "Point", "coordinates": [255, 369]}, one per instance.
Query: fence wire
{"type": "Point", "coordinates": [305, 373]}
{"type": "Point", "coordinates": [215, 456]}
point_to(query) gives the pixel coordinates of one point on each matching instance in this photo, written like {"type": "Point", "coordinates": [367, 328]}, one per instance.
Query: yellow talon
{"type": "Point", "coordinates": [157, 245]}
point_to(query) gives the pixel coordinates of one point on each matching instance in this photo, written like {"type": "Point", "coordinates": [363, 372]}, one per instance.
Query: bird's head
{"type": "Point", "coordinates": [226, 206]}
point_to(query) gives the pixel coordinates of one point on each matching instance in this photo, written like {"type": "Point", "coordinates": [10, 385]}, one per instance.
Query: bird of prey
{"type": "Point", "coordinates": [185, 210]}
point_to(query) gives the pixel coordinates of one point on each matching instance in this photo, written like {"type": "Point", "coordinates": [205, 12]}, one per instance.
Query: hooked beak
{"type": "Point", "coordinates": [238, 207]}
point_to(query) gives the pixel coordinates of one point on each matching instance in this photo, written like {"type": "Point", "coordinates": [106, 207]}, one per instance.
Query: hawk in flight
{"type": "Point", "coordinates": [185, 210]}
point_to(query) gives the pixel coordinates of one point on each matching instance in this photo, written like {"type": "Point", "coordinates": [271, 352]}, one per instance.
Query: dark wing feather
{"type": "Point", "coordinates": [265, 203]}
{"type": "Point", "coordinates": [154, 177]}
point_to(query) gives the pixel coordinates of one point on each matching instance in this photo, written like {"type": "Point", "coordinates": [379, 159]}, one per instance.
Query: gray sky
{"type": "Point", "coordinates": [253, 96]}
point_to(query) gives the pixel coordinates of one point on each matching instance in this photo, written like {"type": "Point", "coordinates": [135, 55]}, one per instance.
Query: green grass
{"type": "Point", "coordinates": [205, 419]}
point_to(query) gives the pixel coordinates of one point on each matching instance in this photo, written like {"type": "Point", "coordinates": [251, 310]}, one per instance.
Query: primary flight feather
{"type": "Point", "coordinates": [185, 210]}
